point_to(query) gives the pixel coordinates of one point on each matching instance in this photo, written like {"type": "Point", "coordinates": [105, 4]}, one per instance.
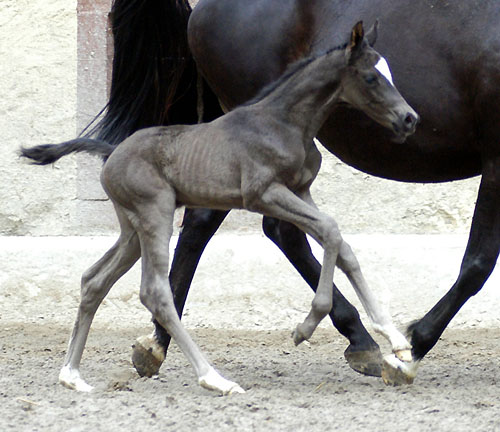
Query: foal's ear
{"type": "Point", "coordinates": [357, 35]}
{"type": "Point", "coordinates": [371, 35]}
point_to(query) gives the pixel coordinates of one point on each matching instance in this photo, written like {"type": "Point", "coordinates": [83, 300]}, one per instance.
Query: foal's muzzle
{"type": "Point", "coordinates": [405, 126]}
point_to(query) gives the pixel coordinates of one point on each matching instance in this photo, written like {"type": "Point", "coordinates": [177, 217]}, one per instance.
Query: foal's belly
{"type": "Point", "coordinates": [209, 196]}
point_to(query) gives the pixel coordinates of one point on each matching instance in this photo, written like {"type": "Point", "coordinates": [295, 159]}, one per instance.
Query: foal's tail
{"type": "Point", "coordinates": [49, 153]}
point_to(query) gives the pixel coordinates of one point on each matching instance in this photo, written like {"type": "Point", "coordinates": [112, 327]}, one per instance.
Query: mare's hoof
{"type": "Point", "coordinates": [395, 372]}
{"type": "Point", "coordinates": [147, 356]}
{"type": "Point", "coordinates": [365, 362]}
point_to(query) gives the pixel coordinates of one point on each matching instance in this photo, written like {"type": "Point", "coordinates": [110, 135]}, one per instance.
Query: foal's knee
{"type": "Point", "coordinates": [322, 305]}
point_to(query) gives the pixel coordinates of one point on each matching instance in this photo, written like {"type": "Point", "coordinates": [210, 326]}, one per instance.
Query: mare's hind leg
{"type": "Point", "coordinates": [96, 283]}
{"type": "Point", "coordinates": [199, 225]}
{"type": "Point", "coordinates": [153, 221]}
{"type": "Point", "coordinates": [363, 354]}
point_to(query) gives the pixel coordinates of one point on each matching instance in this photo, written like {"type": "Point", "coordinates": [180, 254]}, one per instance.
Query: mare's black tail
{"type": "Point", "coordinates": [49, 153]}
{"type": "Point", "coordinates": [154, 80]}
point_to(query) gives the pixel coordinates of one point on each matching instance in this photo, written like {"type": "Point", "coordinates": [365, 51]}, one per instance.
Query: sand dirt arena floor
{"type": "Point", "coordinates": [305, 388]}
{"type": "Point", "coordinates": [309, 388]}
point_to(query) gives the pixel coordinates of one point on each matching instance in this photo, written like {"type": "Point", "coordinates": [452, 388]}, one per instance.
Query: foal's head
{"type": "Point", "coordinates": [366, 84]}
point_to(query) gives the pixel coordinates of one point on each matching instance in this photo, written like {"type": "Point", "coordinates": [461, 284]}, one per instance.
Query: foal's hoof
{"type": "Point", "coordinates": [214, 381]}
{"type": "Point", "coordinates": [404, 355]}
{"type": "Point", "coordinates": [70, 378]}
{"type": "Point", "coordinates": [395, 372]}
{"type": "Point", "coordinates": [147, 356]}
{"type": "Point", "coordinates": [298, 337]}
{"type": "Point", "coordinates": [365, 362]}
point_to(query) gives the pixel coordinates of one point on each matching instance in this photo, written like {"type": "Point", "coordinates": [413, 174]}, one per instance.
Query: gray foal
{"type": "Point", "coordinates": [260, 157]}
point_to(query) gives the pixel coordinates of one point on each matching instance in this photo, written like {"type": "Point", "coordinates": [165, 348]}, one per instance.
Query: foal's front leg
{"type": "Point", "coordinates": [305, 215]}
{"type": "Point", "coordinates": [363, 353]}
{"type": "Point", "coordinates": [279, 202]}
{"type": "Point", "coordinates": [378, 313]}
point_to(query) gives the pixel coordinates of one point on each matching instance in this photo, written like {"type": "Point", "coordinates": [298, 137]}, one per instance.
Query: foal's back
{"type": "Point", "coordinates": [220, 164]}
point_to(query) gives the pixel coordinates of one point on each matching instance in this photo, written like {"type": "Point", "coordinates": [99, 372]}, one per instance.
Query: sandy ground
{"type": "Point", "coordinates": [245, 301]}
{"type": "Point", "coordinates": [288, 388]}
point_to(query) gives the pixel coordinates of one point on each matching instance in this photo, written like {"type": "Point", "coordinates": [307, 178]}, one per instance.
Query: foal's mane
{"type": "Point", "coordinates": [290, 70]}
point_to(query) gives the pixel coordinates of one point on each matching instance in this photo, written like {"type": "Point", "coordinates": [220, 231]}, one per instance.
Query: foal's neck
{"type": "Point", "coordinates": [305, 98]}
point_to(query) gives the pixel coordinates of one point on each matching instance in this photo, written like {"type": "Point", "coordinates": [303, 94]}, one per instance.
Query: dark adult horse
{"type": "Point", "coordinates": [446, 60]}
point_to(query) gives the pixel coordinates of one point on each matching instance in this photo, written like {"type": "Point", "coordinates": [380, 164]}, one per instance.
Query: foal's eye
{"type": "Point", "coordinates": [371, 79]}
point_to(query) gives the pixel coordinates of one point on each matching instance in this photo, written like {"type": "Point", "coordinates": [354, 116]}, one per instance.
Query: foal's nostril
{"type": "Point", "coordinates": [410, 121]}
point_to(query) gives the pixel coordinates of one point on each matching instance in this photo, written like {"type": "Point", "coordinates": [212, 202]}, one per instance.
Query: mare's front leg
{"type": "Point", "coordinates": [363, 354]}
{"type": "Point", "coordinates": [478, 263]}
{"type": "Point", "coordinates": [199, 225]}
{"type": "Point", "coordinates": [96, 283]}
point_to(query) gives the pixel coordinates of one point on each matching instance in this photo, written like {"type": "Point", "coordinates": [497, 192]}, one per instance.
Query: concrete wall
{"type": "Point", "coordinates": [48, 93]}
{"type": "Point", "coordinates": [38, 85]}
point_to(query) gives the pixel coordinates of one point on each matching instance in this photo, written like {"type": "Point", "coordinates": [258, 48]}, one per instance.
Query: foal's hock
{"type": "Point", "coordinates": [260, 157]}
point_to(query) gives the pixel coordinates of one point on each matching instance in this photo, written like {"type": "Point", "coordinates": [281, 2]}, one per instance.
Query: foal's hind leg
{"type": "Point", "coordinates": [96, 283]}
{"type": "Point", "coordinates": [199, 225]}
{"type": "Point", "coordinates": [153, 221]}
